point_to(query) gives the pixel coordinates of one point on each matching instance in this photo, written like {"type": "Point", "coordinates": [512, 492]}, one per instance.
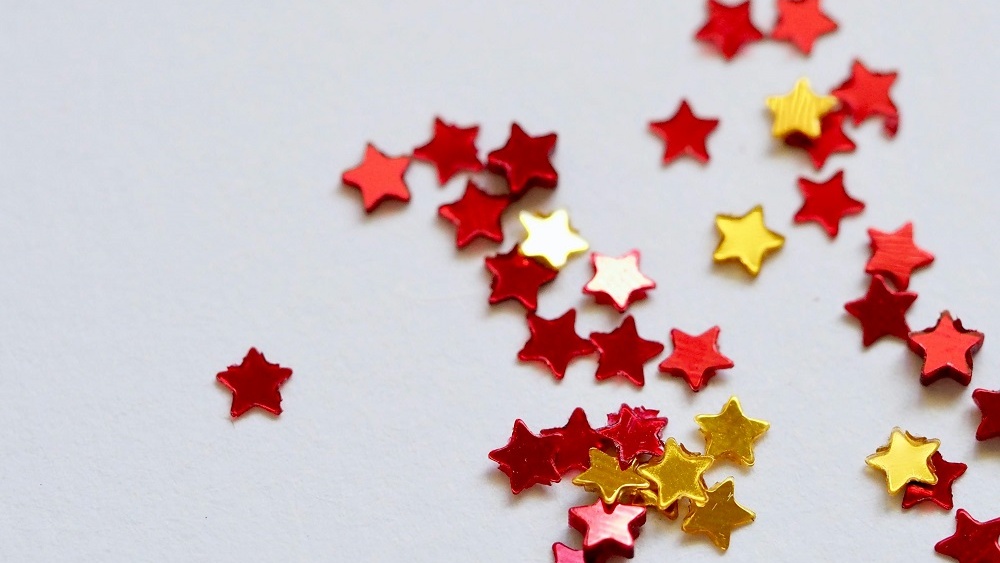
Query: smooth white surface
{"type": "Point", "coordinates": [169, 197]}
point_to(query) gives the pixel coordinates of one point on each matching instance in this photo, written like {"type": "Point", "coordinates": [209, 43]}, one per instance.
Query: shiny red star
{"type": "Point", "coordinates": [866, 94]}
{"type": "Point", "coordinates": [827, 203]}
{"type": "Point", "coordinates": [379, 178]}
{"type": "Point", "coordinates": [608, 531]}
{"type": "Point", "coordinates": [623, 352]}
{"type": "Point", "coordinates": [684, 134]}
{"type": "Point", "coordinates": [940, 494]}
{"type": "Point", "coordinates": [524, 161]}
{"type": "Point", "coordinates": [947, 349]}
{"type": "Point", "coordinates": [882, 312]}
{"type": "Point", "coordinates": [517, 277]}
{"type": "Point", "coordinates": [895, 255]}
{"type": "Point", "coordinates": [554, 342]}
{"type": "Point", "coordinates": [642, 413]}
{"type": "Point", "coordinates": [617, 281]}
{"type": "Point", "coordinates": [576, 439]}
{"type": "Point", "coordinates": [527, 459]}
{"type": "Point", "coordinates": [973, 541]}
{"type": "Point", "coordinates": [729, 28]}
{"type": "Point", "coordinates": [989, 404]}
{"type": "Point", "coordinates": [635, 433]}
{"type": "Point", "coordinates": [565, 554]}
{"type": "Point", "coordinates": [801, 22]}
{"type": "Point", "coordinates": [476, 214]}
{"type": "Point", "coordinates": [254, 383]}
{"type": "Point", "coordinates": [451, 150]}
{"type": "Point", "coordinates": [695, 358]}
{"type": "Point", "coordinates": [831, 139]}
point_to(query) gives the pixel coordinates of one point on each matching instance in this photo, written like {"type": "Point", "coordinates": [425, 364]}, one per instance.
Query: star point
{"type": "Point", "coordinates": [746, 239]}
{"type": "Point", "coordinates": [617, 281]}
{"type": "Point", "coordinates": [550, 237]}
{"type": "Point", "coordinates": [903, 459]}
{"type": "Point", "coordinates": [731, 434]}
{"type": "Point", "coordinates": [799, 111]}
{"type": "Point", "coordinates": [718, 515]}
{"type": "Point", "coordinates": [677, 474]}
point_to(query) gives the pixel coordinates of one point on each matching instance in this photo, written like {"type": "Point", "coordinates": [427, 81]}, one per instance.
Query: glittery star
{"type": "Point", "coordinates": [904, 459]}
{"type": "Point", "coordinates": [746, 239]}
{"type": "Point", "coordinates": [254, 383]}
{"type": "Point", "coordinates": [895, 255]}
{"type": "Point", "coordinates": [684, 134]}
{"type": "Point", "coordinates": [517, 277]}
{"type": "Point", "coordinates": [379, 178]}
{"type": "Point", "coordinates": [617, 281]}
{"type": "Point", "coordinates": [695, 358]}
{"type": "Point", "coordinates": [947, 349]}
{"type": "Point", "coordinates": [524, 161]}
{"type": "Point", "coordinates": [973, 541]}
{"type": "Point", "coordinates": [550, 237]}
{"type": "Point", "coordinates": [677, 474]}
{"type": "Point", "coordinates": [831, 140]}
{"type": "Point", "coordinates": [717, 516]}
{"type": "Point", "coordinates": [622, 352]}
{"type": "Point", "coordinates": [882, 312]}
{"type": "Point", "coordinates": [608, 480]}
{"type": "Point", "coordinates": [801, 22]}
{"type": "Point", "coordinates": [554, 342]}
{"type": "Point", "coordinates": [565, 554]}
{"type": "Point", "coordinates": [607, 530]}
{"type": "Point", "coordinates": [729, 28]}
{"type": "Point", "coordinates": [476, 214]}
{"type": "Point", "coordinates": [635, 432]}
{"type": "Point", "coordinates": [451, 150]}
{"type": "Point", "coordinates": [989, 404]}
{"type": "Point", "coordinates": [826, 203]}
{"type": "Point", "coordinates": [576, 439]}
{"type": "Point", "coordinates": [940, 494]}
{"type": "Point", "coordinates": [730, 434]}
{"type": "Point", "coordinates": [799, 111]}
{"type": "Point", "coordinates": [866, 94]}
{"type": "Point", "coordinates": [527, 459]}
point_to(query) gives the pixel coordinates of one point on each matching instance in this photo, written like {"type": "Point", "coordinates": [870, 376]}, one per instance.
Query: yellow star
{"type": "Point", "coordinates": [730, 434]}
{"type": "Point", "coordinates": [746, 239]}
{"type": "Point", "coordinates": [550, 237]}
{"type": "Point", "coordinates": [799, 111]}
{"type": "Point", "coordinates": [717, 516]}
{"type": "Point", "coordinates": [606, 478]}
{"type": "Point", "coordinates": [905, 459]}
{"type": "Point", "coordinates": [677, 474]}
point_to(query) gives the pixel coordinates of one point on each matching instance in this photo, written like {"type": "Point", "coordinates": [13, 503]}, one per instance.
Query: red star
{"type": "Point", "coordinates": [827, 203]}
{"type": "Point", "coordinates": [452, 150]}
{"type": "Point", "coordinates": [254, 383]}
{"type": "Point", "coordinates": [729, 28]}
{"type": "Point", "coordinates": [527, 459]}
{"type": "Point", "coordinates": [831, 139]}
{"type": "Point", "coordinates": [524, 161]}
{"type": "Point", "coordinates": [866, 93]}
{"type": "Point", "coordinates": [517, 277]}
{"type": "Point", "coordinates": [895, 256]}
{"type": "Point", "coordinates": [973, 541]}
{"type": "Point", "coordinates": [939, 494]}
{"type": "Point", "coordinates": [565, 554]}
{"type": "Point", "coordinates": [801, 22]}
{"type": "Point", "coordinates": [947, 349]}
{"type": "Point", "coordinates": [623, 352]}
{"type": "Point", "coordinates": [635, 433]}
{"type": "Point", "coordinates": [882, 312]}
{"type": "Point", "coordinates": [684, 134]}
{"type": "Point", "coordinates": [575, 441]}
{"type": "Point", "coordinates": [379, 178]}
{"type": "Point", "coordinates": [476, 214]}
{"type": "Point", "coordinates": [642, 413]}
{"type": "Point", "coordinates": [554, 342]}
{"type": "Point", "coordinates": [695, 358]}
{"type": "Point", "coordinates": [607, 530]}
{"type": "Point", "coordinates": [989, 404]}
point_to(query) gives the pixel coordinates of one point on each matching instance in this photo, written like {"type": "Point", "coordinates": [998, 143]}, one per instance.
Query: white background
{"type": "Point", "coordinates": [169, 197]}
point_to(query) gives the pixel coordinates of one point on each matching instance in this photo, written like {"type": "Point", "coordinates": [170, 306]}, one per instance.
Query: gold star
{"type": "Point", "coordinates": [677, 474]}
{"type": "Point", "coordinates": [730, 434]}
{"type": "Point", "coordinates": [550, 237]}
{"type": "Point", "coordinates": [746, 239]}
{"type": "Point", "coordinates": [717, 516]}
{"type": "Point", "coordinates": [904, 459]}
{"type": "Point", "coordinates": [799, 111]}
{"type": "Point", "coordinates": [606, 478]}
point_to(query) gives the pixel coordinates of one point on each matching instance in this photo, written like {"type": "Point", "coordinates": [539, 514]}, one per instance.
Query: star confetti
{"type": "Point", "coordinates": [989, 405]}
{"type": "Point", "coordinates": [517, 277]}
{"type": "Point", "coordinates": [882, 312]}
{"type": "Point", "coordinates": [940, 494]}
{"type": "Point", "coordinates": [635, 432]}
{"type": "Point", "coordinates": [617, 281]}
{"type": "Point", "coordinates": [606, 478]}
{"type": "Point", "coordinates": [947, 349]}
{"type": "Point", "coordinates": [379, 178]}
{"type": "Point", "coordinates": [695, 358]}
{"type": "Point", "coordinates": [451, 150]}
{"type": "Point", "coordinates": [718, 515]}
{"type": "Point", "coordinates": [799, 111]}
{"type": "Point", "coordinates": [746, 239]}
{"type": "Point", "coordinates": [731, 434]}
{"type": "Point", "coordinates": [831, 140]}
{"type": "Point", "coordinates": [677, 474]}
{"type": "Point", "coordinates": [973, 541]}
{"type": "Point", "coordinates": [554, 342]}
{"type": "Point", "coordinates": [565, 554]}
{"type": "Point", "coordinates": [801, 22]}
{"type": "Point", "coordinates": [254, 383]}
{"type": "Point", "coordinates": [729, 28]}
{"type": "Point", "coordinates": [576, 439]}
{"type": "Point", "coordinates": [524, 161]}
{"type": "Point", "coordinates": [895, 255]}
{"type": "Point", "coordinates": [826, 203]}
{"type": "Point", "coordinates": [607, 530]}
{"type": "Point", "coordinates": [866, 94]}
{"type": "Point", "coordinates": [550, 237]}
{"type": "Point", "coordinates": [904, 459]}
{"type": "Point", "coordinates": [476, 214]}
{"type": "Point", "coordinates": [684, 134]}
{"type": "Point", "coordinates": [527, 459]}
{"type": "Point", "coordinates": [622, 352]}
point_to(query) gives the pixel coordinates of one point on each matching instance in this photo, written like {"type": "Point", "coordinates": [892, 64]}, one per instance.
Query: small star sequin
{"type": "Point", "coordinates": [527, 459]}
{"type": "Point", "coordinates": [731, 434]}
{"type": "Point", "coordinates": [524, 161]}
{"type": "Point", "coordinates": [695, 358]}
{"type": "Point", "coordinates": [565, 554]}
{"type": "Point", "coordinates": [576, 439]}
{"type": "Point", "coordinates": [826, 203]}
{"type": "Point", "coordinates": [635, 432]}
{"type": "Point", "coordinates": [831, 140]}
{"type": "Point", "coordinates": [451, 150]}
{"type": "Point", "coordinates": [718, 515]}
{"type": "Point", "coordinates": [940, 494]}
{"type": "Point", "coordinates": [607, 530]}
{"type": "Point", "coordinates": [606, 478]}
{"type": "Point", "coordinates": [989, 405]}
{"type": "Point", "coordinates": [799, 111]}
{"type": "Point", "coordinates": [866, 94]}
{"type": "Point", "coordinates": [684, 134]}
{"type": "Point", "coordinates": [882, 312]}
{"type": "Point", "coordinates": [379, 178]}
{"type": "Point", "coordinates": [896, 256]}
{"type": "Point", "coordinates": [550, 237]}
{"type": "Point", "coordinates": [677, 474]}
{"type": "Point", "coordinates": [973, 541]}
{"type": "Point", "coordinates": [554, 342]}
{"type": "Point", "coordinates": [904, 459]}
{"type": "Point", "coordinates": [476, 214]}
{"type": "Point", "coordinates": [517, 277]}
{"type": "Point", "coordinates": [801, 23]}
{"type": "Point", "coordinates": [617, 281]}
{"type": "Point", "coordinates": [947, 349]}
{"type": "Point", "coordinates": [622, 352]}
{"type": "Point", "coordinates": [254, 383]}
{"type": "Point", "coordinates": [729, 28]}
{"type": "Point", "coordinates": [746, 239]}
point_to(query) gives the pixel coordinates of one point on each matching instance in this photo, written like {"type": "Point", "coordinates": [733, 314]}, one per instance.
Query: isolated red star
{"type": "Point", "coordinates": [517, 277]}
{"type": "Point", "coordinates": [947, 349]}
{"type": "Point", "coordinates": [989, 405]}
{"type": "Point", "coordinates": [940, 494]}
{"type": "Point", "coordinates": [565, 554]}
{"type": "Point", "coordinates": [524, 161]}
{"type": "Point", "coordinates": [895, 255]}
{"type": "Point", "coordinates": [866, 94]}
{"type": "Point", "coordinates": [527, 459]}
{"type": "Point", "coordinates": [973, 541]}
{"type": "Point", "coordinates": [379, 178]}
{"type": "Point", "coordinates": [608, 531]}
{"type": "Point", "coordinates": [832, 139]}
{"type": "Point", "coordinates": [827, 203]}
{"type": "Point", "coordinates": [476, 214]}
{"type": "Point", "coordinates": [617, 281]}
{"type": "Point", "coordinates": [684, 134]}
{"type": "Point", "coordinates": [576, 439]}
{"type": "Point", "coordinates": [554, 342]}
{"type": "Point", "coordinates": [801, 22]}
{"type": "Point", "coordinates": [623, 352]}
{"type": "Point", "coordinates": [452, 149]}
{"type": "Point", "coordinates": [729, 28]}
{"type": "Point", "coordinates": [635, 433]}
{"type": "Point", "coordinates": [882, 312]}
{"type": "Point", "coordinates": [695, 358]}
{"type": "Point", "coordinates": [254, 383]}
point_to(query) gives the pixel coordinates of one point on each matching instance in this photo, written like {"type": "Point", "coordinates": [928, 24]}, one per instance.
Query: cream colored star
{"type": "Point", "coordinates": [799, 111]}
{"type": "Point", "coordinates": [746, 239]}
{"type": "Point", "coordinates": [550, 237]}
{"type": "Point", "coordinates": [618, 279]}
{"type": "Point", "coordinates": [904, 459]}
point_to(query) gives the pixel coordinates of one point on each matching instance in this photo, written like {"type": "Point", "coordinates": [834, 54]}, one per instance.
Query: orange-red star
{"type": "Point", "coordinates": [695, 358]}
{"type": "Point", "coordinates": [973, 541]}
{"type": "Point", "coordinates": [895, 255]}
{"type": "Point", "coordinates": [729, 28]}
{"type": "Point", "coordinates": [608, 530]}
{"type": "Point", "coordinates": [684, 134]}
{"type": "Point", "coordinates": [882, 312]}
{"type": "Point", "coordinates": [947, 349]}
{"type": "Point", "coordinates": [826, 203]}
{"type": "Point", "coordinates": [379, 178]}
{"type": "Point", "coordinates": [254, 383]}
{"type": "Point", "coordinates": [451, 150]}
{"type": "Point", "coordinates": [989, 405]}
{"type": "Point", "coordinates": [866, 94]}
{"type": "Point", "coordinates": [801, 22]}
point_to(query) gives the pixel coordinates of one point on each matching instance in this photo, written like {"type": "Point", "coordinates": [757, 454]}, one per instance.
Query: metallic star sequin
{"type": "Point", "coordinates": [718, 515]}
{"type": "Point", "coordinates": [550, 237]}
{"type": "Point", "coordinates": [254, 383]}
{"type": "Point", "coordinates": [731, 434]}
{"type": "Point", "coordinates": [606, 478]}
{"type": "Point", "coordinates": [677, 474]}
{"type": "Point", "coordinates": [617, 281]}
{"type": "Point", "coordinates": [799, 111]}
{"type": "Point", "coordinates": [746, 239]}
{"type": "Point", "coordinates": [903, 459]}
{"type": "Point", "coordinates": [379, 178]}
{"type": "Point", "coordinates": [947, 349]}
